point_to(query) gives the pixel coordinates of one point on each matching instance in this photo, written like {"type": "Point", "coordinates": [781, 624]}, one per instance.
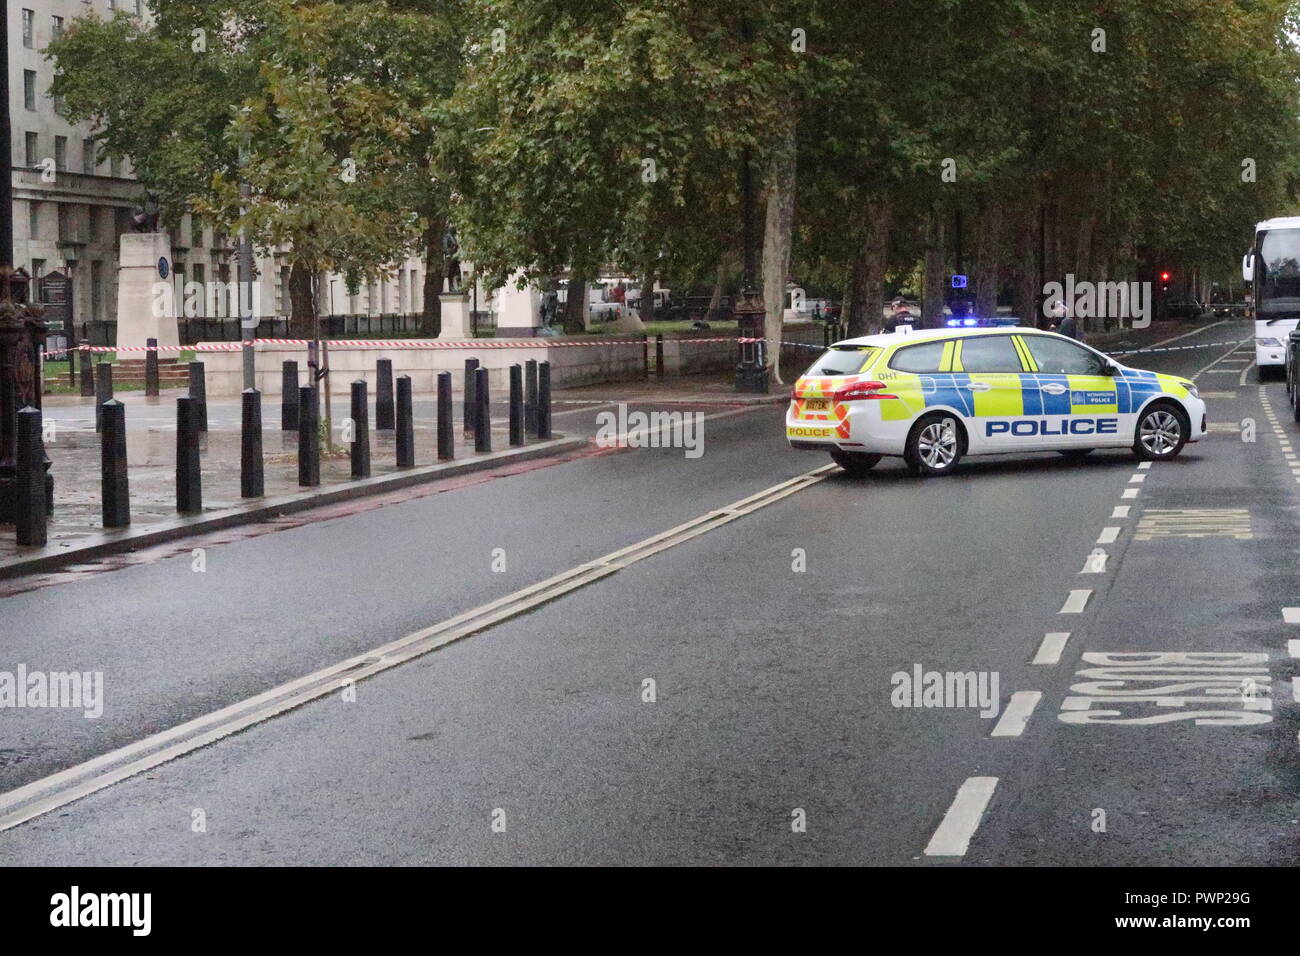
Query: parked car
{"type": "Point", "coordinates": [1183, 307]}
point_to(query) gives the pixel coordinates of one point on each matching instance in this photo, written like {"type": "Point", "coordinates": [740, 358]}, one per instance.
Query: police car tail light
{"type": "Point", "coordinates": [860, 391]}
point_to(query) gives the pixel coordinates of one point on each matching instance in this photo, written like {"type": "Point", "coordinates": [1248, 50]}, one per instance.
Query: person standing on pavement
{"type": "Point", "coordinates": [1068, 325]}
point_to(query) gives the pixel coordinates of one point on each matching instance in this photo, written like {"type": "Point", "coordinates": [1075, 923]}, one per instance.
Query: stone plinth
{"type": "Point", "coordinates": [142, 314]}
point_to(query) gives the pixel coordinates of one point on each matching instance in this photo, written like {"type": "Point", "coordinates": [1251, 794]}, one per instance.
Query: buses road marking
{"type": "Point", "coordinates": [58, 790]}
{"type": "Point", "coordinates": [963, 817]}
{"type": "Point", "coordinates": [1016, 716]}
{"type": "Point", "coordinates": [1049, 652]}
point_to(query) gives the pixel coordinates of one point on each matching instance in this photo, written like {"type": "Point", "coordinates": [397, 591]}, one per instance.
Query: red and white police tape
{"type": "Point", "coordinates": [474, 344]}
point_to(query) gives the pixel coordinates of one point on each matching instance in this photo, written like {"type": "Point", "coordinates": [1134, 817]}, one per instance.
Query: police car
{"type": "Point", "coordinates": [937, 395]}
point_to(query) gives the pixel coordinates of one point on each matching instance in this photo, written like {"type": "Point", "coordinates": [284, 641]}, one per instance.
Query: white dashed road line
{"type": "Point", "coordinates": [1293, 648]}
{"type": "Point", "coordinates": [1016, 716]}
{"type": "Point", "coordinates": [1108, 535]}
{"type": "Point", "coordinates": [1076, 602]}
{"type": "Point", "coordinates": [1291, 615]}
{"type": "Point", "coordinates": [1121, 511]}
{"type": "Point", "coordinates": [963, 818]}
{"type": "Point", "coordinates": [1049, 652]}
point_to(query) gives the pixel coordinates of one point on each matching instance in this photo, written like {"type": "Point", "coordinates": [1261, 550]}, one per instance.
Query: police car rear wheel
{"type": "Point", "coordinates": [856, 463]}
{"type": "Point", "coordinates": [935, 445]}
{"type": "Point", "coordinates": [1161, 433]}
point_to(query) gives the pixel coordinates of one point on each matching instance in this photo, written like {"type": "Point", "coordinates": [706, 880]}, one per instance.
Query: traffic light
{"type": "Point", "coordinates": [1164, 280]}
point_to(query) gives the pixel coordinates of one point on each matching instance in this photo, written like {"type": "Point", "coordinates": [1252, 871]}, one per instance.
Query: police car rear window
{"type": "Point", "coordinates": [918, 358]}
{"type": "Point", "coordinates": [846, 360]}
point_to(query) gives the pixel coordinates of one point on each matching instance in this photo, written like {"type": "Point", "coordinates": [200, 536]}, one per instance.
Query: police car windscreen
{"type": "Point", "coordinates": [843, 361]}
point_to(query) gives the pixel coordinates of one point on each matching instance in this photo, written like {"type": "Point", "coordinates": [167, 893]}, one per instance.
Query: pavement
{"type": "Point", "coordinates": [76, 531]}
{"type": "Point", "coordinates": [635, 656]}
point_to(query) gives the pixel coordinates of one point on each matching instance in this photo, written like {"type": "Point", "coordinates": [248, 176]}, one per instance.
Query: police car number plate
{"type": "Point", "coordinates": [817, 405]}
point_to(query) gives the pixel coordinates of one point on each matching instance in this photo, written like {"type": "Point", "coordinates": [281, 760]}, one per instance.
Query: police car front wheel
{"type": "Point", "coordinates": [935, 445]}
{"type": "Point", "coordinates": [1161, 433]}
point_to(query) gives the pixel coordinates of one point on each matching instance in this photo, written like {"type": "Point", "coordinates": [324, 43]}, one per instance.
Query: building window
{"type": "Point", "coordinates": [61, 152]}
{"type": "Point", "coordinates": [196, 234]}
{"type": "Point", "coordinates": [88, 157]}
{"type": "Point", "coordinates": [65, 222]}
{"type": "Point", "coordinates": [97, 291]}
{"type": "Point", "coordinates": [56, 28]}
{"type": "Point", "coordinates": [30, 148]}
{"type": "Point", "coordinates": [29, 89]}
{"type": "Point", "coordinates": [34, 220]}
{"type": "Point", "coordinates": [29, 28]}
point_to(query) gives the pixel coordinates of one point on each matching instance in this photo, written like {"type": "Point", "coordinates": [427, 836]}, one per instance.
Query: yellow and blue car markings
{"type": "Point", "coordinates": [1010, 395]}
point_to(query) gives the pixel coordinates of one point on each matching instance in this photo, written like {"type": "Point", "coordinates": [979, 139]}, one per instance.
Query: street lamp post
{"type": "Point", "coordinates": [21, 332]}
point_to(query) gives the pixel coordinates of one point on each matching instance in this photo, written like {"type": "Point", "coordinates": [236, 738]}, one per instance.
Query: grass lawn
{"type": "Point", "coordinates": [56, 373]}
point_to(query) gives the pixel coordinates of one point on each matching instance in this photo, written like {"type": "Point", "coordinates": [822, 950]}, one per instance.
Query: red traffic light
{"type": "Point", "coordinates": [1164, 277]}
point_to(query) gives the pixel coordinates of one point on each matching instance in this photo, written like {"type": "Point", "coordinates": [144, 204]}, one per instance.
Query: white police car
{"type": "Point", "coordinates": [936, 395]}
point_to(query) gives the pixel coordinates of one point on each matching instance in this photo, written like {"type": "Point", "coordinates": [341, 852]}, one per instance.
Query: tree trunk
{"type": "Point", "coordinates": [575, 307]}
{"type": "Point", "coordinates": [647, 307]}
{"type": "Point", "coordinates": [1025, 267]}
{"type": "Point", "coordinates": [302, 304]}
{"type": "Point", "coordinates": [776, 245]}
{"type": "Point", "coordinates": [988, 243]}
{"type": "Point", "coordinates": [715, 302]}
{"type": "Point", "coordinates": [933, 284]}
{"type": "Point", "coordinates": [874, 258]}
{"type": "Point", "coordinates": [434, 266]}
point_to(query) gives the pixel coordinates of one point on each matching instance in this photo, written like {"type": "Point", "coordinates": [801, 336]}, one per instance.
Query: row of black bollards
{"type": "Point", "coordinates": [529, 413]}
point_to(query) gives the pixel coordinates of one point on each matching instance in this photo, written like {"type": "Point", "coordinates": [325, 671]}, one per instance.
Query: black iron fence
{"type": "Point", "coordinates": [192, 331]}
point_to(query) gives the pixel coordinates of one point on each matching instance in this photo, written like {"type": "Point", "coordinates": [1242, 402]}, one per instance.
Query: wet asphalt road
{"type": "Point", "coordinates": [771, 641]}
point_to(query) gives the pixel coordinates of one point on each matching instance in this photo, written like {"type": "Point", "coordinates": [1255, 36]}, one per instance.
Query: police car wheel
{"type": "Point", "coordinates": [1161, 433]}
{"type": "Point", "coordinates": [935, 445]}
{"type": "Point", "coordinates": [856, 463]}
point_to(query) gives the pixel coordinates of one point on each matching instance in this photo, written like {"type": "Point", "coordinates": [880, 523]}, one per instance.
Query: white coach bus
{"type": "Point", "coordinates": [1273, 268]}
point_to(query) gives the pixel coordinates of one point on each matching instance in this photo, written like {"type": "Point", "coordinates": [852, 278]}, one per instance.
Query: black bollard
{"type": "Point", "coordinates": [29, 460]}
{"type": "Point", "coordinates": [659, 355]}
{"type": "Point", "coordinates": [544, 400]}
{"type": "Point", "coordinates": [115, 496]}
{"type": "Point", "coordinates": [103, 391]}
{"type": "Point", "coordinates": [72, 365]}
{"type": "Point", "coordinates": [189, 479]}
{"type": "Point", "coordinates": [530, 397]}
{"type": "Point", "coordinates": [308, 437]}
{"type": "Point", "coordinates": [645, 353]}
{"type": "Point", "coordinates": [289, 397]}
{"type": "Point", "coordinates": [151, 369]}
{"type": "Point", "coordinates": [516, 405]}
{"type": "Point", "coordinates": [252, 477]}
{"type": "Point", "coordinates": [482, 416]}
{"type": "Point", "coordinates": [446, 440]}
{"type": "Point", "coordinates": [471, 366]}
{"type": "Point", "coordinates": [405, 424]}
{"type": "Point", "coordinates": [87, 374]}
{"type": "Point", "coordinates": [360, 430]}
{"type": "Point", "coordinates": [385, 419]}
{"type": "Point", "coordinates": [199, 392]}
